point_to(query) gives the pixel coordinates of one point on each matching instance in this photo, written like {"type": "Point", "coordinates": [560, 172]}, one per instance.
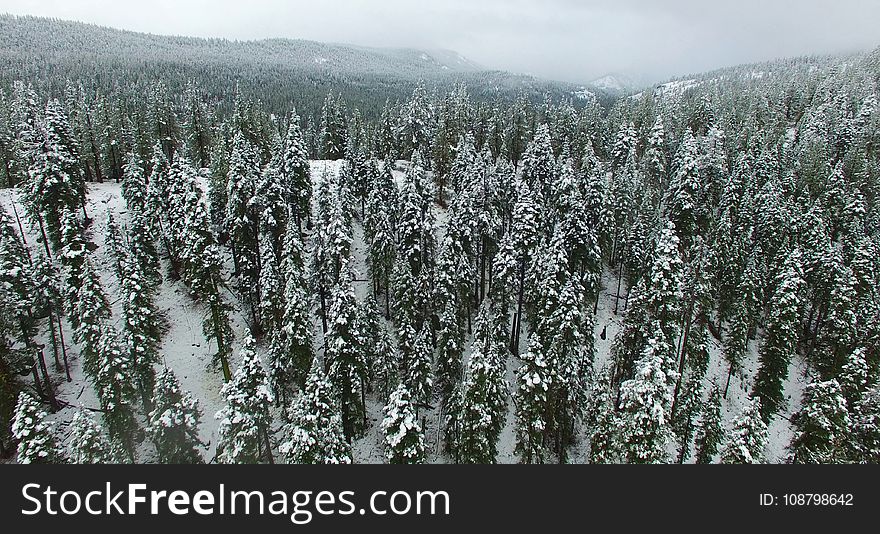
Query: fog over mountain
{"type": "Point", "coordinates": [575, 41]}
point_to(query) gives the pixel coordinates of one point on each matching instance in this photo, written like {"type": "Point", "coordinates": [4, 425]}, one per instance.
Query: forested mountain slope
{"type": "Point", "coordinates": [275, 71]}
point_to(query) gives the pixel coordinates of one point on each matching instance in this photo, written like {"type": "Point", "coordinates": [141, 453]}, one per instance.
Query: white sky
{"type": "Point", "coordinates": [575, 40]}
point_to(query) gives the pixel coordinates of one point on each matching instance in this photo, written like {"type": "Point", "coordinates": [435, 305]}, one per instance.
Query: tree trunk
{"type": "Point", "coordinates": [727, 385]}
{"type": "Point", "coordinates": [517, 319]}
{"type": "Point", "coordinates": [54, 339]}
{"type": "Point", "coordinates": [63, 347]}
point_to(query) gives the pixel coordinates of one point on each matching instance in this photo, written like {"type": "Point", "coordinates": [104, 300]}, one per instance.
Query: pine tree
{"type": "Point", "coordinates": [113, 383]}
{"type": "Point", "coordinates": [479, 418]}
{"type": "Point", "coordinates": [142, 248]}
{"type": "Point", "coordinates": [271, 209]}
{"type": "Point", "coordinates": [684, 196]}
{"type": "Point", "coordinates": [525, 233]}
{"type": "Point", "coordinates": [203, 265]}
{"type": "Point", "coordinates": [271, 287]}
{"type": "Point", "coordinates": [54, 185]}
{"type": "Point", "coordinates": [141, 333]}
{"type": "Point", "coordinates": [603, 423]}
{"type": "Point", "coordinates": [709, 429]}
{"type": "Point", "coordinates": [822, 425]}
{"type": "Point", "coordinates": [386, 367]}
{"type": "Point", "coordinates": [655, 155]}
{"type": "Point", "coordinates": [380, 231]}
{"type": "Point", "coordinates": [655, 310]}
{"type": "Point", "coordinates": [746, 440]}
{"type": "Point", "coordinates": [854, 378]}
{"type": "Point", "coordinates": [416, 361]}
{"type": "Point", "coordinates": [333, 137]}
{"type": "Point", "coordinates": [866, 428]}
{"type": "Point", "coordinates": [87, 442]}
{"type": "Point", "coordinates": [246, 418]}
{"type": "Point", "coordinates": [36, 439]}
{"type": "Point", "coordinates": [345, 357]}
{"type": "Point", "coordinates": [404, 440]}
{"type": "Point", "coordinates": [780, 337]}
{"type": "Point", "coordinates": [89, 313]}
{"type": "Point", "coordinates": [242, 223]}
{"type": "Point", "coordinates": [173, 424]}
{"type": "Point", "coordinates": [644, 406]}
{"type": "Point", "coordinates": [296, 172]}
{"type": "Point", "coordinates": [314, 434]}
{"type": "Point", "coordinates": [72, 256]}
{"type": "Point", "coordinates": [539, 167]}
{"type": "Point", "coordinates": [292, 343]}
{"type": "Point", "coordinates": [134, 185]}
{"type": "Point", "coordinates": [48, 284]}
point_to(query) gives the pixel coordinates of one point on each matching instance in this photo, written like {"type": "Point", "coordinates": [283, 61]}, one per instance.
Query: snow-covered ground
{"type": "Point", "coordinates": [185, 349]}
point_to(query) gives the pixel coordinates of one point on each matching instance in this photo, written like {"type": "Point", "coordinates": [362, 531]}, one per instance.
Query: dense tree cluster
{"type": "Point", "coordinates": [441, 278]}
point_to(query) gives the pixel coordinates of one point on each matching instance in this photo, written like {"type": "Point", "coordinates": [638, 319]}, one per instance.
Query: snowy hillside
{"type": "Point", "coordinates": [185, 350]}
{"type": "Point", "coordinates": [269, 69]}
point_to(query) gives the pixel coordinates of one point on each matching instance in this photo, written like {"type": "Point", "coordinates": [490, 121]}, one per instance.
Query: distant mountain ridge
{"type": "Point", "coordinates": [34, 48]}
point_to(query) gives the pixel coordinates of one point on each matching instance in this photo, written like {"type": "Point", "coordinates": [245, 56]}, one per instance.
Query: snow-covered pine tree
{"type": "Point", "coordinates": [89, 314]}
{"type": "Point", "coordinates": [242, 223]}
{"type": "Point", "coordinates": [72, 256]}
{"type": "Point", "coordinates": [87, 442]}
{"type": "Point", "coordinates": [482, 408]}
{"type": "Point", "coordinates": [539, 170]}
{"type": "Point", "coordinates": [245, 420]}
{"type": "Point", "coordinates": [580, 239]}
{"type": "Point", "coordinates": [333, 133]}
{"type": "Point", "coordinates": [684, 206]}
{"type": "Point", "coordinates": [854, 378]}
{"type": "Point", "coordinates": [709, 432]}
{"type": "Point", "coordinates": [686, 407]}
{"type": "Point", "coordinates": [452, 297]}
{"type": "Point", "coordinates": [655, 310]}
{"type": "Point", "coordinates": [314, 434]}
{"type": "Point", "coordinates": [603, 422]}
{"type": "Point", "coordinates": [141, 332]}
{"type": "Point", "coordinates": [524, 233]}
{"type": "Point", "coordinates": [564, 356]}
{"type": "Point", "coordinates": [386, 367]}
{"type": "Point", "coordinates": [297, 180]}
{"type": "Point", "coordinates": [271, 287]}
{"type": "Point", "coordinates": [747, 438]}
{"type": "Point", "coordinates": [654, 158]}
{"type": "Point", "coordinates": [780, 337]}
{"type": "Point", "coordinates": [55, 184]}
{"type": "Point", "coordinates": [48, 285]}
{"type": "Point", "coordinates": [416, 123]}
{"type": "Point", "coordinates": [404, 439]}
{"type": "Point", "coordinates": [202, 271]}
{"type": "Point", "coordinates": [173, 424]}
{"type": "Point", "coordinates": [822, 426]}
{"type": "Point", "coordinates": [142, 246]}
{"type": "Point", "coordinates": [416, 363]}
{"type": "Point", "coordinates": [271, 208]}
{"type": "Point", "coordinates": [112, 379]}
{"type": "Point", "coordinates": [380, 231]}
{"type": "Point", "coordinates": [292, 342]}
{"type": "Point", "coordinates": [345, 358]}
{"type": "Point", "coordinates": [19, 294]}
{"type": "Point", "coordinates": [134, 185]}
{"type": "Point", "coordinates": [644, 407]}
{"type": "Point", "coordinates": [37, 443]}
{"type": "Point", "coordinates": [866, 428]}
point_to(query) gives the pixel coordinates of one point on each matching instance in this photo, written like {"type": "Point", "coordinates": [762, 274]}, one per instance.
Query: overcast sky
{"type": "Point", "coordinates": [574, 40]}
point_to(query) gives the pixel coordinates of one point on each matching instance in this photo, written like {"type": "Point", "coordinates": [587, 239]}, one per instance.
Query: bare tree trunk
{"type": "Point", "coordinates": [63, 347]}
